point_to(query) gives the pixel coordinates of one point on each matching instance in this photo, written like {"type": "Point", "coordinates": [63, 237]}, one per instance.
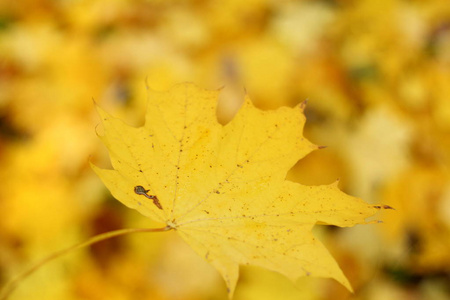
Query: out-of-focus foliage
{"type": "Point", "coordinates": [376, 74]}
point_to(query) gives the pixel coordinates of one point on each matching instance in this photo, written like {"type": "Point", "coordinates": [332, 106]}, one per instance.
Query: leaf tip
{"type": "Point", "coordinates": [336, 183]}
{"type": "Point", "coordinates": [101, 112]}
{"type": "Point", "coordinates": [247, 102]}
{"type": "Point", "coordinates": [230, 290]}
{"type": "Point", "coordinates": [303, 104]}
{"type": "Point", "coordinates": [94, 167]}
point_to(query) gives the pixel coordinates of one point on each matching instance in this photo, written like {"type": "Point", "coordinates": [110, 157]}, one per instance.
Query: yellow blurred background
{"type": "Point", "coordinates": [376, 74]}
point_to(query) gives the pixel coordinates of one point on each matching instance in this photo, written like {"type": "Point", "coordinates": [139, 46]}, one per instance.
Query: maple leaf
{"type": "Point", "coordinates": [223, 188]}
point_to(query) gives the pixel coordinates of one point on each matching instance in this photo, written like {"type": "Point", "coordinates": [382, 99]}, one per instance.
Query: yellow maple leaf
{"type": "Point", "coordinates": [223, 188]}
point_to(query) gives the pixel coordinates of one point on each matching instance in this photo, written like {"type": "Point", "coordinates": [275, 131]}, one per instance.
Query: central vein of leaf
{"type": "Point", "coordinates": [180, 152]}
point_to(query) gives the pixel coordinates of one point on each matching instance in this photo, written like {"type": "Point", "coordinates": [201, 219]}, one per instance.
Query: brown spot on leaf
{"type": "Point", "coordinates": [383, 207]}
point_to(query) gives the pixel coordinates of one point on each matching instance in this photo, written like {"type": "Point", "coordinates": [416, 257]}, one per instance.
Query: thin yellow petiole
{"type": "Point", "coordinates": [11, 285]}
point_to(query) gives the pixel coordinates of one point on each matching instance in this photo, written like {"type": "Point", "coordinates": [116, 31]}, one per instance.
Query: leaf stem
{"type": "Point", "coordinates": [11, 285]}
